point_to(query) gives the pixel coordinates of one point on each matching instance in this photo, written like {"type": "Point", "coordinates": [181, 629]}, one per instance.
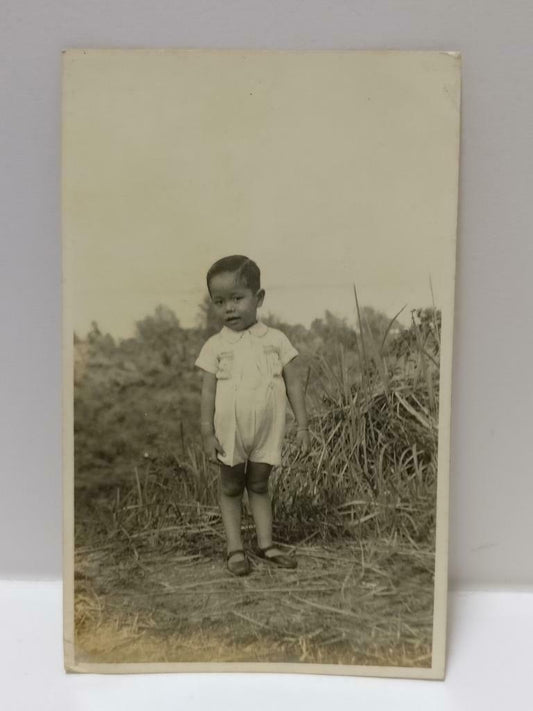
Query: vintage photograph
{"type": "Point", "coordinates": [259, 260]}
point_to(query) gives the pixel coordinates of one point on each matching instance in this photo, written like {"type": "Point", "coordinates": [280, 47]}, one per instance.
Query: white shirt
{"type": "Point", "coordinates": [250, 401]}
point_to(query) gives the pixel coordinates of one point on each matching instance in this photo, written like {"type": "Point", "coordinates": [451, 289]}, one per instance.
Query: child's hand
{"type": "Point", "coordinates": [303, 441]}
{"type": "Point", "coordinates": [212, 447]}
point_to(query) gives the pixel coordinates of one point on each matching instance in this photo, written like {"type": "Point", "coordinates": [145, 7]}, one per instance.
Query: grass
{"type": "Point", "coordinates": [335, 607]}
{"type": "Point", "coordinates": [359, 512]}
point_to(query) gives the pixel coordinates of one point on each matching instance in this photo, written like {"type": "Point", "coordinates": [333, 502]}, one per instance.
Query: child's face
{"type": "Point", "coordinates": [235, 303]}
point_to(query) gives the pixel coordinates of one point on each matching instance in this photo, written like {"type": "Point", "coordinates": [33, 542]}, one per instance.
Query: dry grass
{"type": "Point", "coordinates": [359, 513]}
{"type": "Point", "coordinates": [352, 604]}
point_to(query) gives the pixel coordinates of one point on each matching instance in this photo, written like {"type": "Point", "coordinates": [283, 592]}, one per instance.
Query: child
{"type": "Point", "coordinates": [249, 370]}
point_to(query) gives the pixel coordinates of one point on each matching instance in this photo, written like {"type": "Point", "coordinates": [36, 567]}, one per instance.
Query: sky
{"type": "Point", "coordinates": [326, 168]}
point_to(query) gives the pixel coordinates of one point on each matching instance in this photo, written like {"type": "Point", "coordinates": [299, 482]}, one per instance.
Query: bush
{"type": "Point", "coordinates": [373, 401]}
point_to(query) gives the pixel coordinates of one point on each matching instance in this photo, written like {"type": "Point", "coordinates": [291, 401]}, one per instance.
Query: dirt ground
{"type": "Point", "coordinates": [349, 603]}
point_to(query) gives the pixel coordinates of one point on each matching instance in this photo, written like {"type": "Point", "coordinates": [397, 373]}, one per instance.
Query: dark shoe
{"type": "Point", "coordinates": [238, 567]}
{"type": "Point", "coordinates": [281, 559]}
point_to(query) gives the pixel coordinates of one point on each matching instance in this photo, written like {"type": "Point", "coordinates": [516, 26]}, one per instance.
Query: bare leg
{"type": "Point", "coordinates": [230, 500]}
{"type": "Point", "coordinates": [257, 475]}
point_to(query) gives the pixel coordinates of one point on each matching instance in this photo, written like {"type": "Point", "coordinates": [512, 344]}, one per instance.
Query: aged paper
{"type": "Point", "coordinates": [335, 173]}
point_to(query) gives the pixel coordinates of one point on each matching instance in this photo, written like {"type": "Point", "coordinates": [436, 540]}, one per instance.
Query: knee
{"type": "Point", "coordinates": [232, 486]}
{"type": "Point", "coordinates": [257, 485]}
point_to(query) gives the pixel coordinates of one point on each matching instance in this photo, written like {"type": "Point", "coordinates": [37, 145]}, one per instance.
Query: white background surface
{"type": "Point", "coordinates": [489, 668]}
{"type": "Point", "coordinates": [491, 483]}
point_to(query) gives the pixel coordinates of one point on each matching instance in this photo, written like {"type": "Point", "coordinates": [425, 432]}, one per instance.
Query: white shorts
{"type": "Point", "coordinates": [250, 423]}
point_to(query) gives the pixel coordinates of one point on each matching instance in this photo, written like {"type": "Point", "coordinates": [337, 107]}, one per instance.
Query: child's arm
{"type": "Point", "coordinates": [295, 393]}
{"type": "Point", "coordinates": [207, 408]}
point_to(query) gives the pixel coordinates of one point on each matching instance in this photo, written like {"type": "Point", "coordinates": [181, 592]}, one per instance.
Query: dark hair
{"type": "Point", "coordinates": [245, 270]}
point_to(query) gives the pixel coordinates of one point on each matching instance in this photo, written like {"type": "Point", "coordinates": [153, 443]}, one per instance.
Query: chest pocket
{"type": "Point", "coordinates": [225, 365]}
{"type": "Point", "coordinates": [273, 361]}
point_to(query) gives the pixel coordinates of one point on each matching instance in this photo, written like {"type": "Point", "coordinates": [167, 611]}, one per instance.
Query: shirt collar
{"type": "Point", "coordinates": [258, 329]}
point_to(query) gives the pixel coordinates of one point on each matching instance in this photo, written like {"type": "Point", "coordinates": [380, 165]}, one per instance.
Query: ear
{"type": "Point", "coordinates": [260, 296]}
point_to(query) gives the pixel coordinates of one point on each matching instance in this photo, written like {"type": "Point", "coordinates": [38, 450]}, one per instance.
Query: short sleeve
{"type": "Point", "coordinates": [287, 351]}
{"type": "Point", "coordinates": [207, 359]}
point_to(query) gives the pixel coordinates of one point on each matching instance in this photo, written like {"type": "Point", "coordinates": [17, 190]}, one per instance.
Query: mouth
{"type": "Point", "coordinates": [232, 319]}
